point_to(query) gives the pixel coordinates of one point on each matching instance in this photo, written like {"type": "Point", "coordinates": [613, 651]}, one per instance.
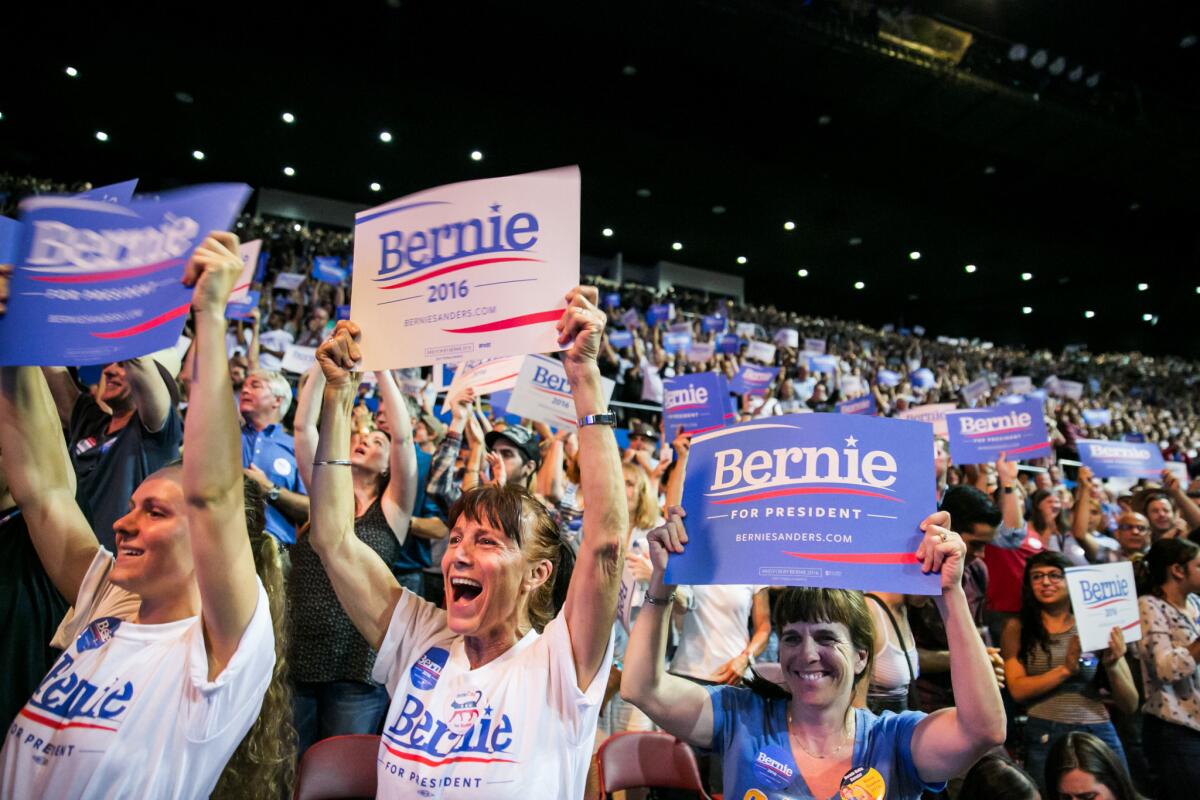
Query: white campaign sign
{"type": "Point", "coordinates": [761, 351]}
{"type": "Point", "coordinates": [815, 346]}
{"type": "Point", "coordinates": [543, 394]}
{"type": "Point", "coordinates": [289, 281]}
{"type": "Point", "coordinates": [787, 337]}
{"type": "Point", "coordinates": [976, 389]}
{"type": "Point", "coordinates": [1103, 597]}
{"type": "Point", "coordinates": [485, 377]}
{"type": "Point", "coordinates": [298, 359]}
{"type": "Point", "coordinates": [700, 352]}
{"type": "Point", "coordinates": [249, 252]}
{"type": "Point", "coordinates": [934, 414]}
{"type": "Point", "coordinates": [471, 270]}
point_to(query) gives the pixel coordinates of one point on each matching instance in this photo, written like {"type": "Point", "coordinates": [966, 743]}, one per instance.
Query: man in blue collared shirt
{"type": "Point", "coordinates": [269, 454]}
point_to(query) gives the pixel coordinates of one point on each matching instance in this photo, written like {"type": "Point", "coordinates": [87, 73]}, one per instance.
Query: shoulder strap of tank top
{"type": "Point", "coordinates": [899, 636]}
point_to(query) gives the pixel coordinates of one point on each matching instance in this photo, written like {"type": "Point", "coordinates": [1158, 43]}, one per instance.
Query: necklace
{"type": "Point", "coordinates": [847, 734]}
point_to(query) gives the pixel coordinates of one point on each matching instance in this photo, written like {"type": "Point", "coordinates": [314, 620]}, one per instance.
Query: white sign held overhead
{"type": "Point", "coordinates": [249, 252]}
{"type": "Point", "coordinates": [298, 359]}
{"type": "Point", "coordinates": [542, 393]}
{"type": "Point", "coordinates": [485, 377]}
{"type": "Point", "coordinates": [761, 351]}
{"type": "Point", "coordinates": [289, 281]}
{"type": "Point", "coordinates": [467, 271]}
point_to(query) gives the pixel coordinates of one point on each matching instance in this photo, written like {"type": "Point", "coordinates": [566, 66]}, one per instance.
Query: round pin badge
{"type": "Point", "coordinates": [862, 783]}
{"type": "Point", "coordinates": [282, 467]}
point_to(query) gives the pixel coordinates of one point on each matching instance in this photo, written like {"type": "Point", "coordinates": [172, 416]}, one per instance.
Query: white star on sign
{"type": "Point", "coordinates": [851, 441]}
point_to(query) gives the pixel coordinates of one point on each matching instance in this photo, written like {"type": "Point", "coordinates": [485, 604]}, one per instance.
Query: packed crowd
{"type": "Point", "coordinates": [334, 557]}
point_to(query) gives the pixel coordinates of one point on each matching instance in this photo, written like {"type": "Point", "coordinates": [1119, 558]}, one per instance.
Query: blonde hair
{"type": "Point", "coordinates": [645, 510]}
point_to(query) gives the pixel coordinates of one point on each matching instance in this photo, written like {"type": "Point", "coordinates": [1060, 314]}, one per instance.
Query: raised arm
{"type": "Point", "coordinates": [364, 584]}
{"type": "Point", "coordinates": [255, 346]}
{"type": "Point", "coordinates": [948, 741]}
{"type": "Point", "coordinates": [150, 393]}
{"type": "Point", "coordinates": [308, 409]}
{"type": "Point", "coordinates": [1012, 505]}
{"type": "Point", "coordinates": [1186, 505]}
{"type": "Point", "coordinates": [41, 478]}
{"type": "Point", "coordinates": [682, 445]}
{"type": "Point", "coordinates": [64, 390]}
{"type": "Point", "coordinates": [591, 604]}
{"type": "Point", "coordinates": [397, 501]}
{"type": "Point", "coordinates": [1079, 515]}
{"type": "Point", "coordinates": [212, 470]}
{"type": "Point", "coordinates": [677, 705]}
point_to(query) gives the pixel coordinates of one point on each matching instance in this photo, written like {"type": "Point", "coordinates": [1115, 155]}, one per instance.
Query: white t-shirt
{"type": "Point", "coordinates": [275, 340]}
{"type": "Point", "coordinates": [652, 382]}
{"type": "Point", "coordinates": [128, 710]}
{"type": "Point", "coordinates": [516, 728]}
{"type": "Point", "coordinates": [714, 630]}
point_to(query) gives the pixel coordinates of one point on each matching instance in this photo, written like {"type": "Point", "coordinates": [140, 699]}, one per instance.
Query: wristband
{"type": "Point", "coordinates": [333, 462]}
{"type": "Point", "coordinates": [660, 601]}
{"type": "Point", "coordinates": [607, 418]}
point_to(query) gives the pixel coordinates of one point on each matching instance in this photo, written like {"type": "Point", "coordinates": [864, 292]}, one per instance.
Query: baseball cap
{"type": "Point", "coordinates": [520, 437]}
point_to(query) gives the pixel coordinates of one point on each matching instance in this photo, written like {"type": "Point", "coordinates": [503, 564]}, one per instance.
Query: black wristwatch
{"type": "Point", "coordinates": [273, 495]}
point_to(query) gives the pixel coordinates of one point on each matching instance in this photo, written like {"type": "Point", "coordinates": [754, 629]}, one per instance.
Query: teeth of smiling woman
{"type": "Point", "coordinates": [465, 582]}
{"type": "Point", "coordinates": [812, 676]}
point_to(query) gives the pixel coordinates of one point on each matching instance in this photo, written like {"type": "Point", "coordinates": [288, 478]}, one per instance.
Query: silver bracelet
{"type": "Point", "coordinates": [334, 462]}
{"type": "Point", "coordinates": [656, 601]}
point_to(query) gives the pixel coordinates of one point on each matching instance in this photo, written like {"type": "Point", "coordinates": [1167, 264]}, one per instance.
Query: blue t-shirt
{"type": "Point", "coordinates": [416, 552]}
{"type": "Point", "coordinates": [750, 734]}
{"type": "Point", "coordinates": [274, 452]}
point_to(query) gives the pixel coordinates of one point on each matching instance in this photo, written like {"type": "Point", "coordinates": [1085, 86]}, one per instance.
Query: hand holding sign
{"type": "Point", "coordinates": [340, 354]}
{"type": "Point", "coordinates": [942, 550]}
{"type": "Point", "coordinates": [212, 272]}
{"type": "Point", "coordinates": [1116, 647]}
{"type": "Point", "coordinates": [665, 540]}
{"type": "Point", "coordinates": [580, 328]}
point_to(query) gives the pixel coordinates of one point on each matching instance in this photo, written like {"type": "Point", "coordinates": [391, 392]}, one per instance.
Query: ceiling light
{"type": "Point", "coordinates": [476, 155]}
{"type": "Point", "coordinates": [198, 155]}
{"type": "Point", "coordinates": [1093, 80]}
{"type": "Point", "coordinates": [1026, 276]}
{"type": "Point", "coordinates": [386, 136]}
{"type": "Point", "coordinates": [297, 227]}
{"type": "Point", "coordinates": [101, 136]}
{"type": "Point", "coordinates": [1, 115]}
{"type": "Point", "coordinates": [677, 246]}
{"type": "Point", "coordinates": [718, 209]}
{"type": "Point", "coordinates": [629, 70]}
{"type": "Point", "coordinates": [859, 285]}
{"type": "Point", "coordinates": [789, 226]}
{"type": "Point", "coordinates": [824, 119]}
{"type": "Point", "coordinates": [290, 172]}
{"type": "Point", "coordinates": [741, 259]}
{"type": "Point", "coordinates": [1057, 66]}
{"type": "Point", "coordinates": [855, 241]}
{"type": "Point", "coordinates": [915, 255]}
{"type": "Point", "coordinates": [1134, 206]}
{"type": "Point", "coordinates": [1147, 317]}
{"type": "Point", "coordinates": [1026, 309]}
{"type": "Point", "coordinates": [803, 273]}
{"type": "Point", "coordinates": [1089, 314]}
{"type": "Point", "coordinates": [72, 72]}
{"type": "Point", "coordinates": [1143, 287]}
{"type": "Point", "coordinates": [288, 117]}
{"type": "Point", "coordinates": [643, 192]}
{"type": "Point", "coordinates": [989, 170]}
{"type": "Point", "coordinates": [1075, 74]}
{"type": "Point", "coordinates": [1039, 59]}
{"type": "Point", "coordinates": [375, 187]}
{"type": "Point", "coordinates": [1187, 41]}
{"type": "Point", "coordinates": [969, 268]}
{"type": "Point", "coordinates": [607, 231]}
{"type": "Point", "coordinates": [1018, 52]}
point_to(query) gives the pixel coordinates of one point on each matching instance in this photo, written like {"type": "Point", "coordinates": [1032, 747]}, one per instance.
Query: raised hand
{"type": "Point", "coordinates": [1006, 471]}
{"type": "Point", "coordinates": [667, 539]}
{"type": "Point", "coordinates": [212, 272]}
{"type": "Point", "coordinates": [339, 354]}
{"type": "Point", "coordinates": [942, 550]}
{"type": "Point", "coordinates": [580, 327]}
{"type": "Point", "coordinates": [499, 472]}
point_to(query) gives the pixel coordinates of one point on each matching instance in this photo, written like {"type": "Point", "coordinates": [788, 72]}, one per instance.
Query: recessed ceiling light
{"type": "Point", "coordinates": [1089, 314]}
{"type": "Point", "coordinates": [1147, 317]}
{"type": "Point", "coordinates": [386, 136]}
{"type": "Point", "coordinates": [741, 259]}
{"type": "Point", "coordinates": [101, 136]}
{"type": "Point", "coordinates": [803, 273]}
{"type": "Point", "coordinates": [854, 241]}
{"type": "Point", "coordinates": [290, 172]}
{"type": "Point", "coordinates": [789, 226]}
{"type": "Point", "coordinates": [629, 70]}
{"type": "Point", "coordinates": [607, 231]}
{"type": "Point", "coordinates": [476, 155]}
{"type": "Point", "coordinates": [677, 246]}
{"type": "Point", "coordinates": [1143, 287]}
{"type": "Point", "coordinates": [915, 255]}
{"type": "Point", "coordinates": [969, 268]}
{"type": "Point", "coordinates": [1027, 309]}
{"type": "Point", "coordinates": [198, 155]}
{"type": "Point", "coordinates": [72, 72]}
{"type": "Point", "coordinates": [718, 209]}
{"type": "Point", "coordinates": [824, 119]}
{"type": "Point", "coordinates": [375, 187]}
{"type": "Point", "coordinates": [859, 285]}
{"type": "Point", "coordinates": [297, 227]}
{"type": "Point", "coordinates": [1026, 276]}
{"type": "Point", "coordinates": [1187, 41]}
{"type": "Point", "coordinates": [1, 115]}
{"type": "Point", "coordinates": [643, 192]}
{"type": "Point", "coordinates": [989, 170]}
{"type": "Point", "coordinates": [1134, 206]}
{"type": "Point", "coordinates": [288, 117]}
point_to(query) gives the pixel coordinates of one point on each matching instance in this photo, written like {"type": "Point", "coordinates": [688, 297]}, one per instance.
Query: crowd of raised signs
{"type": "Point", "coordinates": [1024, 526]}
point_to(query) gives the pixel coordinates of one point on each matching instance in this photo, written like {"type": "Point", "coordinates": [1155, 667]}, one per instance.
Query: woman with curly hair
{"type": "Point", "coordinates": [170, 652]}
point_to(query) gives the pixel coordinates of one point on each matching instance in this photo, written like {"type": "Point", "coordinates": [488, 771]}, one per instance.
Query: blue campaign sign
{"type": "Point", "coordinates": [260, 270]}
{"type": "Point", "coordinates": [728, 343]}
{"type": "Point", "coordinates": [859, 405]}
{"type": "Point", "coordinates": [823, 364]}
{"type": "Point", "coordinates": [343, 312]}
{"type": "Point", "coordinates": [499, 401]}
{"type": "Point", "coordinates": [612, 300]}
{"type": "Point", "coordinates": [1135, 437]}
{"type": "Point", "coordinates": [329, 270]}
{"type": "Point", "coordinates": [241, 311]}
{"type": "Point", "coordinates": [113, 193]}
{"type": "Point", "coordinates": [752, 379]}
{"type": "Point", "coordinates": [96, 281]}
{"type": "Point", "coordinates": [979, 436]}
{"type": "Point", "coordinates": [886, 377]}
{"type": "Point", "coordinates": [1097, 417]}
{"type": "Point", "coordinates": [696, 402]}
{"type": "Point", "coordinates": [714, 323]}
{"type": "Point", "coordinates": [1117, 459]}
{"type": "Point", "coordinates": [619, 339]}
{"type": "Point", "coordinates": [922, 378]}
{"type": "Point", "coordinates": [658, 313]}
{"type": "Point", "coordinates": [676, 341]}
{"type": "Point", "coordinates": [822, 500]}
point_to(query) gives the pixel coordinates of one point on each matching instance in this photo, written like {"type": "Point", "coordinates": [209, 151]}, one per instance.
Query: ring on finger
{"type": "Point", "coordinates": [943, 536]}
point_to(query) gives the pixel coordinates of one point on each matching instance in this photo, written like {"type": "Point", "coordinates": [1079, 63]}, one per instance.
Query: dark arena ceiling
{"type": "Point", "coordinates": [1062, 141]}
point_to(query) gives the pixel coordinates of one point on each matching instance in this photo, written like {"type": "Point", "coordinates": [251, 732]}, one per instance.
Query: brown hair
{"type": "Point", "coordinates": [264, 764]}
{"type": "Point", "coordinates": [645, 505]}
{"type": "Point", "coordinates": [525, 521]}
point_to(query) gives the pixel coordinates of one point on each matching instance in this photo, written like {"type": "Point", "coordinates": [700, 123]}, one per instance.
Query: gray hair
{"type": "Point", "coordinates": [279, 387]}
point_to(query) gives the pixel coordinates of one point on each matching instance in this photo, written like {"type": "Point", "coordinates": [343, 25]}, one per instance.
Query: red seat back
{"type": "Point", "coordinates": [338, 767]}
{"type": "Point", "coordinates": [647, 758]}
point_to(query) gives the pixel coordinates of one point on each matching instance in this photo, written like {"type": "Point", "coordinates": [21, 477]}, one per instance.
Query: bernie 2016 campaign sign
{"type": "Point", "coordinates": [823, 500]}
{"type": "Point", "coordinates": [1103, 597]}
{"type": "Point", "coordinates": [859, 405]}
{"type": "Point", "coordinates": [980, 436]}
{"type": "Point", "coordinates": [712, 324]}
{"type": "Point", "coordinates": [1117, 459]}
{"type": "Point", "coordinates": [619, 339]}
{"type": "Point", "coordinates": [1097, 417]}
{"type": "Point", "coordinates": [933, 413]}
{"type": "Point", "coordinates": [542, 393]}
{"type": "Point", "coordinates": [329, 269]}
{"type": "Point", "coordinates": [696, 402]}
{"type": "Point", "coordinates": [96, 281]}
{"type": "Point", "coordinates": [752, 379]}
{"type": "Point", "coordinates": [486, 376]}
{"type": "Point", "coordinates": [472, 270]}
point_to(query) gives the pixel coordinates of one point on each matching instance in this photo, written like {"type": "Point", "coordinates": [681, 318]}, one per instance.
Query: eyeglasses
{"type": "Point", "coordinates": [1052, 577]}
{"type": "Point", "coordinates": [1128, 527]}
